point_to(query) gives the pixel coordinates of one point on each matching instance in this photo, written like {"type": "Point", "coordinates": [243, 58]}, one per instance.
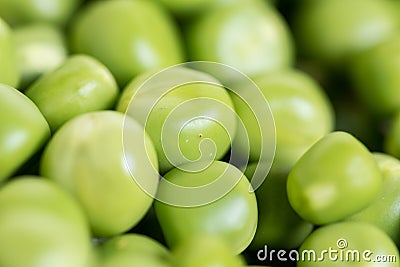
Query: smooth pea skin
{"type": "Point", "coordinates": [392, 139]}
{"type": "Point", "coordinates": [8, 68]}
{"type": "Point", "coordinates": [57, 12]}
{"type": "Point", "coordinates": [252, 38]}
{"type": "Point", "coordinates": [331, 33]}
{"type": "Point", "coordinates": [384, 211]}
{"type": "Point", "coordinates": [279, 226]}
{"type": "Point", "coordinates": [334, 179]}
{"type": "Point", "coordinates": [133, 250]}
{"type": "Point", "coordinates": [89, 158]}
{"type": "Point", "coordinates": [302, 115]}
{"type": "Point", "coordinates": [129, 37]}
{"type": "Point", "coordinates": [205, 251]}
{"type": "Point", "coordinates": [23, 130]}
{"type": "Point", "coordinates": [375, 77]}
{"type": "Point", "coordinates": [233, 216]}
{"type": "Point", "coordinates": [41, 226]}
{"type": "Point", "coordinates": [40, 48]}
{"type": "Point", "coordinates": [192, 122]}
{"type": "Point", "coordinates": [348, 244]}
{"type": "Point", "coordinates": [81, 84]}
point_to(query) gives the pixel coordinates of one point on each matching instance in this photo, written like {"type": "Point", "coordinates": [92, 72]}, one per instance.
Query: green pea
{"type": "Point", "coordinates": [302, 115]}
{"type": "Point", "coordinates": [348, 244]}
{"type": "Point", "coordinates": [191, 122]}
{"type": "Point", "coordinates": [334, 179]}
{"type": "Point", "coordinates": [252, 38]}
{"type": "Point", "coordinates": [128, 36]}
{"type": "Point", "coordinates": [81, 84]}
{"type": "Point", "coordinates": [23, 130]}
{"type": "Point", "coordinates": [91, 159]}
{"type": "Point", "coordinates": [40, 49]}
{"type": "Point", "coordinates": [330, 32]}
{"type": "Point", "coordinates": [384, 211]}
{"type": "Point", "coordinates": [231, 216]}
{"type": "Point", "coordinates": [56, 12]}
{"type": "Point", "coordinates": [375, 76]}
{"type": "Point", "coordinates": [41, 226]}
{"type": "Point", "coordinates": [133, 250]}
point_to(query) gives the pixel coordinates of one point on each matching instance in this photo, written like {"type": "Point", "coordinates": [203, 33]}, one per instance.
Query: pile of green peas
{"type": "Point", "coordinates": [85, 171]}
